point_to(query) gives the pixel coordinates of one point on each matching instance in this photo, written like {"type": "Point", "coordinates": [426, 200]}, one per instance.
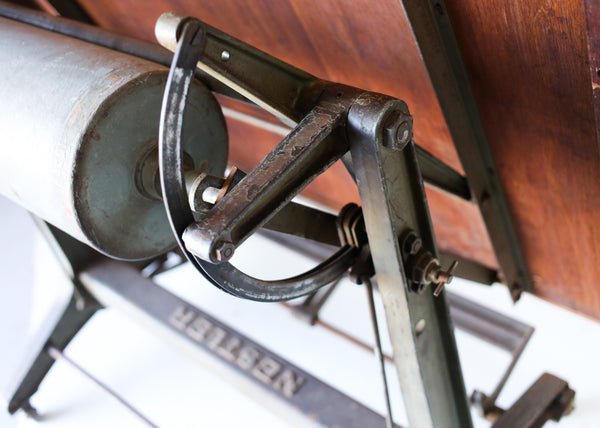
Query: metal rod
{"type": "Point", "coordinates": [58, 355]}
{"type": "Point", "coordinates": [264, 376]}
{"type": "Point", "coordinates": [98, 36]}
{"type": "Point", "coordinates": [432, 29]}
{"type": "Point", "coordinates": [88, 33]}
{"type": "Point", "coordinates": [495, 328]}
{"type": "Point", "coordinates": [379, 351]}
{"type": "Point", "coordinates": [426, 359]}
{"type": "Point", "coordinates": [340, 333]}
{"type": "Point", "coordinates": [435, 172]}
{"type": "Point", "coordinates": [351, 339]}
{"type": "Point", "coordinates": [256, 122]}
{"type": "Point", "coordinates": [441, 176]}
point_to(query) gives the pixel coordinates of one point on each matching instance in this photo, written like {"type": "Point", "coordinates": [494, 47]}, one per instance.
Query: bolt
{"type": "Point", "coordinates": [31, 411]}
{"type": "Point", "coordinates": [444, 277]}
{"type": "Point", "coordinates": [224, 251]}
{"type": "Point", "coordinates": [564, 404]}
{"type": "Point", "coordinates": [515, 291]}
{"type": "Point", "coordinates": [484, 199]}
{"type": "Point", "coordinates": [397, 130]}
{"type": "Point", "coordinates": [411, 244]}
{"type": "Point", "coordinates": [424, 269]}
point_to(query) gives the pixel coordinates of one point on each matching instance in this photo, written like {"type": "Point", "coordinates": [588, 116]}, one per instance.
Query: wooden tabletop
{"type": "Point", "coordinates": [529, 67]}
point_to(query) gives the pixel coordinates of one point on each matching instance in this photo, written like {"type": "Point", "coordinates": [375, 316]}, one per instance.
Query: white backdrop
{"type": "Point", "coordinates": [174, 390]}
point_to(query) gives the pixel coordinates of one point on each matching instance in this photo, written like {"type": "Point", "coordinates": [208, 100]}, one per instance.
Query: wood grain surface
{"type": "Point", "coordinates": [592, 19]}
{"type": "Point", "coordinates": [529, 68]}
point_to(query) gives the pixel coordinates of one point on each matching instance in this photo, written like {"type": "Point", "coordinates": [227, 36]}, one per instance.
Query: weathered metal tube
{"type": "Point", "coordinates": [77, 123]}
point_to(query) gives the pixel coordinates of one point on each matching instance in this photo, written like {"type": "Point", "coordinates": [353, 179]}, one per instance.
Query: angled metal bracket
{"type": "Point", "coordinates": [435, 39]}
{"type": "Point", "coordinates": [81, 307]}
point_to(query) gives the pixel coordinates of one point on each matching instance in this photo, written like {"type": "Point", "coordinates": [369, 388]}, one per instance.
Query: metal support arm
{"type": "Point", "coordinates": [312, 147]}
{"type": "Point", "coordinates": [420, 329]}
{"type": "Point", "coordinates": [378, 131]}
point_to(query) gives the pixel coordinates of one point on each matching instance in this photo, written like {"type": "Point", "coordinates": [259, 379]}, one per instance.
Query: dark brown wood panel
{"type": "Point", "coordinates": [592, 19]}
{"type": "Point", "coordinates": [530, 74]}
{"type": "Point", "coordinates": [368, 45]}
{"type": "Point", "coordinates": [365, 44]}
{"type": "Point", "coordinates": [528, 64]}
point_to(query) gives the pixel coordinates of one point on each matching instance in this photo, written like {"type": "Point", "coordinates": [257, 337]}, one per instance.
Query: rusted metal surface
{"type": "Point", "coordinates": [534, 95]}
{"type": "Point", "coordinates": [393, 201]}
{"type": "Point", "coordinates": [549, 398]}
{"type": "Point", "coordinates": [441, 55]}
{"type": "Point", "coordinates": [387, 174]}
{"type": "Point", "coordinates": [294, 218]}
{"type": "Point", "coordinates": [322, 38]}
{"type": "Point", "coordinates": [435, 172]}
{"type": "Point", "coordinates": [300, 157]}
{"type": "Point", "coordinates": [215, 236]}
{"type": "Point", "coordinates": [303, 154]}
{"type": "Point", "coordinates": [224, 275]}
{"type": "Point", "coordinates": [376, 125]}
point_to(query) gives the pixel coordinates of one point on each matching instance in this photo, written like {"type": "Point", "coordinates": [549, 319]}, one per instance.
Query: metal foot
{"type": "Point", "coordinates": [76, 314]}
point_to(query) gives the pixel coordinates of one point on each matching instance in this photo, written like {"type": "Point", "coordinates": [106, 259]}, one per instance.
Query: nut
{"type": "Point", "coordinates": [224, 251]}
{"type": "Point", "coordinates": [411, 244]}
{"type": "Point", "coordinates": [424, 269]}
{"type": "Point", "coordinates": [443, 277]}
{"type": "Point", "coordinates": [515, 291]}
{"type": "Point", "coordinates": [397, 130]}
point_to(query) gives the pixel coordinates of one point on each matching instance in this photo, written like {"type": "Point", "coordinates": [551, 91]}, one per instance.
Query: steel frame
{"type": "Point", "coordinates": [100, 282]}
{"type": "Point", "coordinates": [389, 182]}
{"type": "Point", "coordinates": [330, 119]}
{"type": "Point", "coordinates": [435, 39]}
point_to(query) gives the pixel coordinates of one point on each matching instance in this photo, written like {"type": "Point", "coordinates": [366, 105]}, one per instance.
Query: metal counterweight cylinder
{"type": "Point", "coordinates": [76, 123]}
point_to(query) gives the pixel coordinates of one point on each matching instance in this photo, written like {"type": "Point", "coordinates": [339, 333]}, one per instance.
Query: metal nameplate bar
{"type": "Point", "coordinates": [118, 284]}
{"type": "Point", "coordinates": [238, 350]}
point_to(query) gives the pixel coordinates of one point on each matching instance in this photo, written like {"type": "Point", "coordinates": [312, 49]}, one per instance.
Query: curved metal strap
{"type": "Point", "coordinates": [224, 276]}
